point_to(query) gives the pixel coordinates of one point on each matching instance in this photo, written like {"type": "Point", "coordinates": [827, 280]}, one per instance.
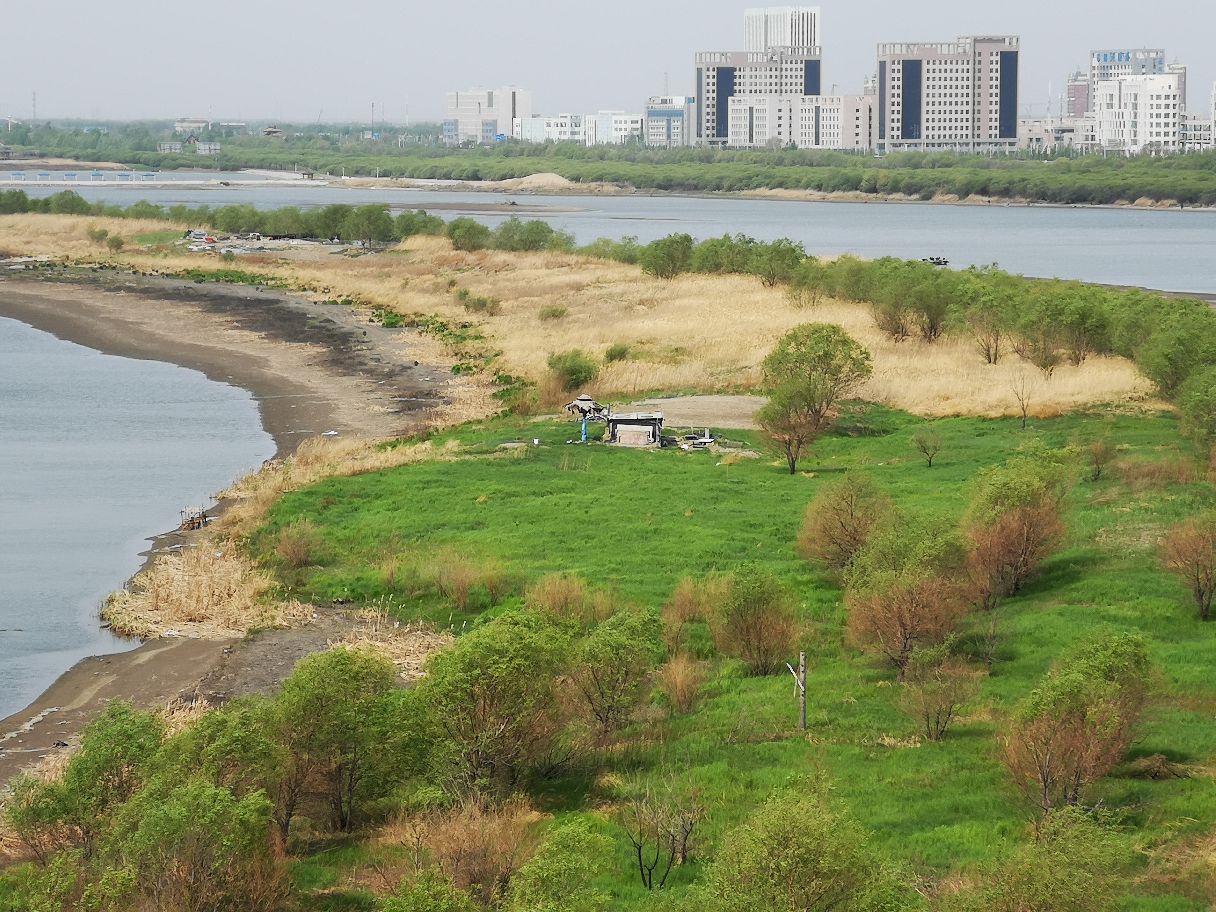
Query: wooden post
{"type": "Point", "coordinates": [800, 684]}
{"type": "Point", "coordinates": [802, 690]}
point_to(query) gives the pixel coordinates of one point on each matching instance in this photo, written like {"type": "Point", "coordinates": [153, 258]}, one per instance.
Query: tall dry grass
{"type": "Point", "coordinates": [211, 590]}
{"type": "Point", "coordinates": [697, 332]}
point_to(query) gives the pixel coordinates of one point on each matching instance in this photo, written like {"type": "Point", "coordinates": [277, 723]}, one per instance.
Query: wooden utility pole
{"type": "Point", "coordinates": [800, 684]}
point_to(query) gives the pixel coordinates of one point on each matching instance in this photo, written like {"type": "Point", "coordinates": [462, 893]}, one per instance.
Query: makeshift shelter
{"type": "Point", "coordinates": [636, 429]}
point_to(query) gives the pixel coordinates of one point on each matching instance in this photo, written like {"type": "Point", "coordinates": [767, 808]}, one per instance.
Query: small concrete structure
{"type": "Point", "coordinates": [637, 429]}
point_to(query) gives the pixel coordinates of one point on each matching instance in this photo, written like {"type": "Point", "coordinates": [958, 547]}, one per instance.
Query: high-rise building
{"type": "Point", "coordinates": [957, 95]}
{"type": "Point", "coordinates": [482, 115]}
{"type": "Point", "coordinates": [671, 121]}
{"type": "Point", "coordinates": [1077, 95]}
{"type": "Point", "coordinates": [721, 75]}
{"type": "Point", "coordinates": [808, 122]}
{"type": "Point", "coordinates": [782, 27]}
{"type": "Point", "coordinates": [1136, 114]}
{"type": "Point", "coordinates": [1179, 70]}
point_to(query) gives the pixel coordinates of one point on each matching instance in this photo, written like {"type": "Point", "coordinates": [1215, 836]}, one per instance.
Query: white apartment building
{"type": "Point", "coordinates": [1135, 114]}
{"type": "Point", "coordinates": [1047, 134]}
{"type": "Point", "coordinates": [615, 128]}
{"type": "Point", "coordinates": [845, 122]}
{"type": "Point", "coordinates": [781, 27]}
{"type": "Point", "coordinates": [1197, 133]}
{"type": "Point", "coordinates": [960, 95]}
{"type": "Point", "coordinates": [481, 115]}
{"type": "Point", "coordinates": [722, 75]}
{"type": "Point", "coordinates": [670, 121]}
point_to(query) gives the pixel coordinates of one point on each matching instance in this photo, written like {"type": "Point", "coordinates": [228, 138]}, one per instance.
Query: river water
{"type": "Point", "coordinates": [96, 453]}
{"type": "Point", "coordinates": [1172, 250]}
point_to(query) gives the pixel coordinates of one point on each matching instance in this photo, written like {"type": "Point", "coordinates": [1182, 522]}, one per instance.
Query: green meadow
{"type": "Point", "coordinates": [634, 523]}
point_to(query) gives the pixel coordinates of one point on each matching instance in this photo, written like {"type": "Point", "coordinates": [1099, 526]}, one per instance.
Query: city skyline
{"type": "Point", "coordinates": [298, 62]}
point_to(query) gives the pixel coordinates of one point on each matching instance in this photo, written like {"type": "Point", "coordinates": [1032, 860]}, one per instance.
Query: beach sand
{"type": "Point", "coordinates": [312, 368]}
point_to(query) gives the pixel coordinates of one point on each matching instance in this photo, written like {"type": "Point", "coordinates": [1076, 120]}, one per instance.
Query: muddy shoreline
{"type": "Point", "coordinates": [312, 368]}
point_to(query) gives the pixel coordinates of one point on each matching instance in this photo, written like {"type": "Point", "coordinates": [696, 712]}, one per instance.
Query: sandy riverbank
{"type": "Point", "coordinates": [312, 368]}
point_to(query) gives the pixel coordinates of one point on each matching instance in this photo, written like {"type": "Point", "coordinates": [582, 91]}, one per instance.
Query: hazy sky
{"type": "Point", "coordinates": [303, 59]}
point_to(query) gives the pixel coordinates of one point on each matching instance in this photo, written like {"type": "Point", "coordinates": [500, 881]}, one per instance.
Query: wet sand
{"type": "Point", "coordinates": [311, 367]}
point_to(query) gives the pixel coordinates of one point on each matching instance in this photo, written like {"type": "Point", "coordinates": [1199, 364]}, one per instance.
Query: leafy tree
{"type": "Point", "coordinates": [196, 847]}
{"type": "Point", "coordinates": [559, 877]}
{"type": "Point", "coordinates": [468, 235]}
{"type": "Point", "coordinates": [417, 221]}
{"type": "Point", "coordinates": [838, 522]}
{"type": "Point", "coordinates": [928, 443]}
{"type": "Point", "coordinates": [936, 686]}
{"type": "Point", "coordinates": [330, 718]}
{"type": "Point", "coordinates": [902, 592]}
{"type": "Point", "coordinates": [612, 666]}
{"type": "Point", "coordinates": [1197, 402]}
{"type": "Point", "coordinates": [822, 362]}
{"type": "Point", "coordinates": [754, 623]}
{"type": "Point", "coordinates": [1078, 723]}
{"type": "Point", "coordinates": [1180, 342]}
{"type": "Point", "coordinates": [789, 420]}
{"type": "Point", "coordinates": [368, 224]}
{"type": "Point", "coordinates": [799, 852]}
{"type": "Point", "coordinates": [1189, 552]}
{"type": "Point", "coordinates": [775, 262]}
{"type": "Point", "coordinates": [492, 701]}
{"type": "Point", "coordinates": [667, 257]}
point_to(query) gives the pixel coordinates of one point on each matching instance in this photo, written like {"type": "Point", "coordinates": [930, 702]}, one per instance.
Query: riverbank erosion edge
{"type": "Point", "coordinates": [313, 369]}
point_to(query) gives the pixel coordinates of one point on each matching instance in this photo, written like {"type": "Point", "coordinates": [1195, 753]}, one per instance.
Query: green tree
{"type": "Point", "coordinates": [667, 257]}
{"type": "Point", "coordinates": [1197, 402]}
{"type": "Point", "coordinates": [789, 419]}
{"type": "Point", "coordinates": [612, 665]}
{"type": "Point", "coordinates": [330, 718]}
{"type": "Point", "coordinates": [491, 699]}
{"type": "Point", "coordinates": [799, 852]}
{"type": "Point", "coordinates": [559, 877]}
{"type": "Point", "coordinates": [755, 623]}
{"type": "Point", "coordinates": [469, 235]}
{"type": "Point", "coordinates": [822, 363]}
{"type": "Point", "coordinates": [775, 262]}
{"type": "Point", "coordinates": [573, 369]}
{"type": "Point", "coordinates": [368, 224]}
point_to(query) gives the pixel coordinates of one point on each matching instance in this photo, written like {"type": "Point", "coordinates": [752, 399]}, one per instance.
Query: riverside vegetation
{"type": "Point", "coordinates": [1182, 179]}
{"type": "Point", "coordinates": [1009, 699]}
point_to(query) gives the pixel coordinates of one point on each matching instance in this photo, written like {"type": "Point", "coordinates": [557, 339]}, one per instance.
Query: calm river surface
{"type": "Point", "coordinates": [96, 454]}
{"type": "Point", "coordinates": [1172, 250]}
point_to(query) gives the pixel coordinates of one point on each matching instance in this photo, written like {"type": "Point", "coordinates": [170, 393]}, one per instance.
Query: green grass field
{"type": "Point", "coordinates": [636, 522]}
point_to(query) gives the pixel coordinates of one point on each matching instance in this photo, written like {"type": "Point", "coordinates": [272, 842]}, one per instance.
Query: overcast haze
{"type": "Point", "coordinates": [297, 61]}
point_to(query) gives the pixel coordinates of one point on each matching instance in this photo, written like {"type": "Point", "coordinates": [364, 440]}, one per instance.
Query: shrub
{"type": "Point", "coordinates": [477, 846]}
{"type": "Point", "coordinates": [1099, 454]}
{"type": "Point", "coordinates": [298, 544]}
{"type": "Point", "coordinates": [667, 257]}
{"type": "Point", "coordinates": [573, 369]}
{"type": "Point", "coordinates": [1197, 403]}
{"type": "Point", "coordinates": [799, 852]}
{"type": "Point", "coordinates": [492, 701]}
{"type": "Point", "coordinates": [553, 312]}
{"type": "Point", "coordinates": [754, 623]}
{"type": "Point", "coordinates": [478, 303]}
{"type": "Point", "coordinates": [1189, 552]}
{"type": "Point", "coordinates": [468, 235]}
{"type": "Point", "coordinates": [612, 666]}
{"type": "Point", "coordinates": [838, 522]}
{"type": "Point", "coordinates": [459, 577]}
{"type": "Point", "coordinates": [681, 680]}
{"type": "Point", "coordinates": [98, 235]}
{"type": "Point", "coordinates": [692, 601]}
{"type": "Point", "coordinates": [428, 891]}
{"type": "Point", "coordinates": [1006, 552]}
{"type": "Point", "coordinates": [618, 351]}
{"type": "Point", "coordinates": [114, 243]}
{"type": "Point", "coordinates": [935, 687]}
{"type": "Point", "coordinates": [561, 596]}
{"type": "Point", "coordinates": [560, 876]}
{"type": "Point", "coordinates": [1078, 723]}
{"type": "Point", "coordinates": [1074, 865]}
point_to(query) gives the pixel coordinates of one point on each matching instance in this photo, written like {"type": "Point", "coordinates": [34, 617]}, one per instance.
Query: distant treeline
{"type": "Point", "coordinates": [1063, 178]}
{"type": "Point", "coordinates": [1045, 322]}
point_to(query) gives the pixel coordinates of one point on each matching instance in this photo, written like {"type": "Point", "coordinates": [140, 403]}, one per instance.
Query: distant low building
{"type": "Point", "coordinates": [273, 133]}
{"type": "Point", "coordinates": [208, 148]}
{"type": "Point", "coordinates": [1047, 134]}
{"type": "Point", "coordinates": [612, 128]}
{"type": "Point", "coordinates": [844, 122]}
{"type": "Point", "coordinates": [5, 152]}
{"type": "Point", "coordinates": [670, 121]}
{"type": "Point", "coordinates": [169, 148]}
{"type": "Point", "coordinates": [481, 116]}
{"type": "Point", "coordinates": [191, 125]}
